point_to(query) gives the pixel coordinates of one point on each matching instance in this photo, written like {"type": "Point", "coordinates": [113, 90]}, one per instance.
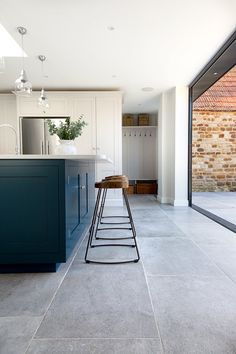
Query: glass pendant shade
{"type": "Point", "coordinates": [22, 86]}
{"type": "Point", "coordinates": [43, 100]}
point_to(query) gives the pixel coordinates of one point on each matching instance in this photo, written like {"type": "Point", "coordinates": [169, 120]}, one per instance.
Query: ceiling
{"type": "Point", "coordinates": [154, 43]}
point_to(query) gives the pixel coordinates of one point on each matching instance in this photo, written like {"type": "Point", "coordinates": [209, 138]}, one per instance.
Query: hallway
{"type": "Point", "coordinates": [179, 299]}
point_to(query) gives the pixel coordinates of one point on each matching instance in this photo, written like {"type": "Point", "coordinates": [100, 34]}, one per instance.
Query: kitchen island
{"type": "Point", "coordinates": [45, 207]}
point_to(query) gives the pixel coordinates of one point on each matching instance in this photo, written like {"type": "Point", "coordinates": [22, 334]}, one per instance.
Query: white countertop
{"type": "Point", "coordinates": [101, 158]}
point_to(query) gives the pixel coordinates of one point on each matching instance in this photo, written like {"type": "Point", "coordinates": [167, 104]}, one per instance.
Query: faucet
{"type": "Point", "coordinates": [11, 127]}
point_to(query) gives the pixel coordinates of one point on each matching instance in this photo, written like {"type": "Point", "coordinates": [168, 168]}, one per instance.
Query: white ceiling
{"type": "Point", "coordinates": [155, 43]}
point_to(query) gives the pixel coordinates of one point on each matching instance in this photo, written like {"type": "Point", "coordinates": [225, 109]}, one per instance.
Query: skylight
{"type": "Point", "coordinates": [8, 46]}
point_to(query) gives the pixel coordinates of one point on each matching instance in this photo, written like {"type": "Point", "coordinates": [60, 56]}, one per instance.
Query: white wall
{"type": "Point", "coordinates": [173, 146]}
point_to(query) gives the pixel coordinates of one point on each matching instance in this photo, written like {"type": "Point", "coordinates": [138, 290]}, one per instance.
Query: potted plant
{"type": "Point", "coordinates": [67, 131]}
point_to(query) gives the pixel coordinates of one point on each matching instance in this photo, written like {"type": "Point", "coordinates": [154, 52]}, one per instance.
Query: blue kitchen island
{"type": "Point", "coordinates": [45, 207]}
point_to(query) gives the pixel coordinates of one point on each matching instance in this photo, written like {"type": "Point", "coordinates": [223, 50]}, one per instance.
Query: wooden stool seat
{"type": "Point", "coordinates": [112, 184]}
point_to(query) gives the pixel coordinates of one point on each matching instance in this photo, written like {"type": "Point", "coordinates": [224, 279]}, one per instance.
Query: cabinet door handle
{"type": "Point", "coordinates": [48, 148]}
{"type": "Point", "coordinates": [82, 187]}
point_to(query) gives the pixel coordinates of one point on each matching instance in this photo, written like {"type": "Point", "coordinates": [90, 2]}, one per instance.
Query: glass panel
{"type": "Point", "coordinates": [214, 148]}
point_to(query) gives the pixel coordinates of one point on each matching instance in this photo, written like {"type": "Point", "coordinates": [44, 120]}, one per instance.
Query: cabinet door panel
{"type": "Point", "coordinates": [109, 138]}
{"type": "Point", "coordinates": [72, 199]}
{"type": "Point", "coordinates": [86, 143]}
{"type": "Point", "coordinates": [35, 210]}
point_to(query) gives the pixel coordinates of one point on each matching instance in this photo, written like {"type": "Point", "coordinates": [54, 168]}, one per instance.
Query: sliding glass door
{"type": "Point", "coordinates": [212, 159]}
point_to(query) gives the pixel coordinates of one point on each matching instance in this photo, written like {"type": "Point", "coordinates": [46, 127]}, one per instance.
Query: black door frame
{"type": "Point", "coordinates": [221, 63]}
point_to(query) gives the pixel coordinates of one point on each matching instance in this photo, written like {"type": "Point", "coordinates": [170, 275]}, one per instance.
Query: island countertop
{"type": "Point", "coordinates": [101, 158]}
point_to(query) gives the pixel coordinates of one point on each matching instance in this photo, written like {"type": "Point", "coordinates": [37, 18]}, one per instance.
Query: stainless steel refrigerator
{"type": "Point", "coordinates": [35, 136]}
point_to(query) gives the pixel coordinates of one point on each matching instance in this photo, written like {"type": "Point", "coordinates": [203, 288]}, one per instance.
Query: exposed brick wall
{"type": "Point", "coordinates": [214, 151]}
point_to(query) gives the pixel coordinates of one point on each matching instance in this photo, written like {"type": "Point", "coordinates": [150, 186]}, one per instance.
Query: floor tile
{"type": "Point", "coordinates": [96, 346]}
{"type": "Point", "coordinates": [16, 333]}
{"type": "Point", "coordinates": [210, 232]}
{"type": "Point", "coordinates": [27, 294]}
{"type": "Point", "coordinates": [175, 256]}
{"type": "Point", "coordinates": [158, 229]}
{"type": "Point", "coordinates": [224, 256]}
{"type": "Point", "coordinates": [100, 301]}
{"type": "Point", "coordinates": [193, 314]}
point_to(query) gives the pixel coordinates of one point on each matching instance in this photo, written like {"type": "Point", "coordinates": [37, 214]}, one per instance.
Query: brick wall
{"type": "Point", "coordinates": [214, 151]}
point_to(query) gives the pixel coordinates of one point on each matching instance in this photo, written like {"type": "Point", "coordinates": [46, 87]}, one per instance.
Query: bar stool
{"type": "Point", "coordinates": [111, 182]}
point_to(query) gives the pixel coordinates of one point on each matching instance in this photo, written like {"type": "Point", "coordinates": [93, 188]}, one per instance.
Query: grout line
{"type": "Point", "coordinates": [155, 319]}
{"type": "Point", "coordinates": [80, 241]}
{"type": "Point", "coordinates": [91, 338]}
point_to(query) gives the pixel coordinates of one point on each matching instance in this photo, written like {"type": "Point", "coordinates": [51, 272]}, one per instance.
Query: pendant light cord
{"type": "Point", "coordinates": [23, 57]}
{"type": "Point", "coordinates": [42, 74]}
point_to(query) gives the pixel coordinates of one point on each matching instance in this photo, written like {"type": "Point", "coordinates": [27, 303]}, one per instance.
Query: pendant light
{"type": "Point", "coordinates": [43, 100]}
{"type": "Point", "coordinates": [22, 86]}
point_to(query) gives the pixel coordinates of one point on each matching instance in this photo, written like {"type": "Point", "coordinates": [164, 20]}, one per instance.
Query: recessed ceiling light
{"type": "Point", "coordinates": [110, 28]}
{"type": "Point", "coordinates": [215, 73]}
{"type": "Point", "coordinates": [147, 89]}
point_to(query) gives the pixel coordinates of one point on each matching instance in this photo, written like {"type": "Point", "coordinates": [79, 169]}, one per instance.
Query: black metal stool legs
{"type": "Point", "coordinates": [94, 228]}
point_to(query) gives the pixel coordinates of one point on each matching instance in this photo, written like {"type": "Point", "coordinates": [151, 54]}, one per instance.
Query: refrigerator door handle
{"type": "Point", "coordinates": [41, 147]}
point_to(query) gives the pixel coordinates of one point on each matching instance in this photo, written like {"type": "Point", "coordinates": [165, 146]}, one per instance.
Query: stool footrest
{"type": "Point", "coordinates": [114, 228]}
{"type": "Point", "coordinates": [114, 223]}
{"type": "Point", "coordinates": [115, 216]}
{"type": "Point", "coordinates": [118, 262]}
{"type": "Point", "coordinates": [114, 238]}
{"type": "Point", "coordinates": [112, 244]}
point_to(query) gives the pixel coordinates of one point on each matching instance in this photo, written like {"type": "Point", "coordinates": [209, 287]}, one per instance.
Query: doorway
{"type": "Point", "coordinates": [212, 143]}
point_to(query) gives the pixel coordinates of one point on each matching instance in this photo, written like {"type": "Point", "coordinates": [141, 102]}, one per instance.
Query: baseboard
{"type": "Point", "coordinates": [179, 202]}
{"type": "Point", "coordinates": [163, 200]}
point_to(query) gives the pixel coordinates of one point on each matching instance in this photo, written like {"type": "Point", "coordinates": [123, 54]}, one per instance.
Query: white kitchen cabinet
{"type": "Point", "coordinates": [28, 106]}
{"type": "Point", "coordinates": [8, 116]}
{"type": "Point", "coordinates": [109, 140]}
{"type": "Point", "coordinates": [101, 111]}
{"type": "Point", "coordinates": [77, 106]}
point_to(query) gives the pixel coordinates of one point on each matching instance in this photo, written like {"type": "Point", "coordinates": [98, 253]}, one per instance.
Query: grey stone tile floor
{"type": "Point", "coordinates": [222, 204]}
{"type": "Point", "coordinates": [179, 299]}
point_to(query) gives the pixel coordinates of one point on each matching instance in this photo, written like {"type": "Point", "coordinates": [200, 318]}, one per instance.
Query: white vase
{"type": "Point", "coordinates": [66, 147]}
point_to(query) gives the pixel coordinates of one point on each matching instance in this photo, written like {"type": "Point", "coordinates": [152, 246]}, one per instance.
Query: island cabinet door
{"type": "Point", "coordinates": [72, 199]}
{"type": "Point", "coordinates": [30, 226]}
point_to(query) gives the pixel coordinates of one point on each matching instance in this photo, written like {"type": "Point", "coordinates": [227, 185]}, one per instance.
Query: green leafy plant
{"type": "Point", "coordinates": [67, 130]}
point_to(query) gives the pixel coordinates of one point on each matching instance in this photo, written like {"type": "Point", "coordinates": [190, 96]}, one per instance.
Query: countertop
{"type": "Point", "coordinates": [101, 158]}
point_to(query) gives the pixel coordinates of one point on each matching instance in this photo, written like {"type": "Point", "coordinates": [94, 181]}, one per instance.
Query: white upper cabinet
{"type": "Point", "coordinates": [85, 106]}
{"type": "Point", "coordinates": [108, 118]}
{"type": "Point", "coordinates": [8, 139]}
{"type": "Point", "coordinates": [28, 106]}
